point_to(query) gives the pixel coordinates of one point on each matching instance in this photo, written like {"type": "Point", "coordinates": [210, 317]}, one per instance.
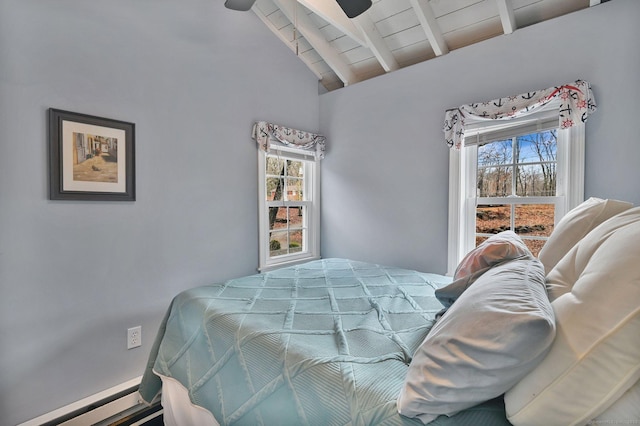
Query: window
{"type": "Point", "coordinates": [522, 175]}
{"type": "Point", "coordinates": [289, 206]}
{"type": "Point", "coordinates": [516, 187]}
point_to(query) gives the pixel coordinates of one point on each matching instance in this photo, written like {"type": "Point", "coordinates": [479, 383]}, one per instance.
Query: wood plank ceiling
{"type": "Point", "coordinates": [394, 34]}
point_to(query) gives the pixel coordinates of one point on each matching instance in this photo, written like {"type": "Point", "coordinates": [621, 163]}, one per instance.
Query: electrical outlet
{"type": "Point", "coordinates": [134, 337]}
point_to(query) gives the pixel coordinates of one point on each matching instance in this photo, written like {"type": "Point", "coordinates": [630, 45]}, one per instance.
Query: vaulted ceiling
{"type": "Point", "coordinates": [394, 34]}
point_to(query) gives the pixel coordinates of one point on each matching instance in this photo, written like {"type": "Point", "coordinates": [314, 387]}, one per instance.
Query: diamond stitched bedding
{"type": "Point", "coordinates": [326, 342]}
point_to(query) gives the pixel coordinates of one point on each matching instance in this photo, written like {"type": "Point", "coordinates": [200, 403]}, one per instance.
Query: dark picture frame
{"type": "Point", "coordinates": [90, 158]}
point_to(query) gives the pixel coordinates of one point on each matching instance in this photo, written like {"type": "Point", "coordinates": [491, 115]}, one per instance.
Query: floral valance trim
{"type": "Point", "coordinates": [264, 132]}
{"type": "Point", "coordinates": [576, 104]}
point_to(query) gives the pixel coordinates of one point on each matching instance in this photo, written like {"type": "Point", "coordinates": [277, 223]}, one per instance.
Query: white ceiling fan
{"type": "Point", "coordinates": [351, 8]}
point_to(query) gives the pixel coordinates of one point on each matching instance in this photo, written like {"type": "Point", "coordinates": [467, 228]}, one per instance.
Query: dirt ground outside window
{"type": "Point", "coordinates": [531, 220]}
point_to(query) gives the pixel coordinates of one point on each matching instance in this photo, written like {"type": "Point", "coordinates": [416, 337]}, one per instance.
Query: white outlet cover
{"type": "Point", "coordinates": [134, 337]}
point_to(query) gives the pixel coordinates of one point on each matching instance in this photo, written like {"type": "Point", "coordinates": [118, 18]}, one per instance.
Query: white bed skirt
{"type": "Point", "coordinates": [178, 410]}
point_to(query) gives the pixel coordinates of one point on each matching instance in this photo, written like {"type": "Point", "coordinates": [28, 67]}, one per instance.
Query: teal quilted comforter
{"type": "Point", "coordinates": [323, 343]}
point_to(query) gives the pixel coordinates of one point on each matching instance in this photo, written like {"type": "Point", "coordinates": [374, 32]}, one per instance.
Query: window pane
{"type": "Point", "coordinates": [493, 219]}
{"type": "Point", "coordinates": [274, 189]}
{"type": "Point", "coordinates": [494, 181]}
{"type": "Point", "coordinates": [495, 153]}
{"type": "Point", "coordinates": [277, 218]}
{"type": "Point", "coordinates": [296, 217]}
{"type": "Point", "coordinates": [275, 166]}
{"type": "Point", "coordinates": [538, 151]}
{"type": "Point", "coordinates": [294, 189]}
{"type": "Point", "coordinates": [534, 219]}
{"type": "Point", "coordinates": [537, 147]}
{"type": "Point", "coordinates": [278, 243]}
{"type": "Point", "coordinates": [295, 168]}
{"type": "Point", "coordinates": [536, 180]}
{"type": "Point", "coordinates": [295, 241]}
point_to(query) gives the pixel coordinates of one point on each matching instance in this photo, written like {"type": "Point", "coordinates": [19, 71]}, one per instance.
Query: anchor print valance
{"type": "Point", "coordinates": [575, 99]}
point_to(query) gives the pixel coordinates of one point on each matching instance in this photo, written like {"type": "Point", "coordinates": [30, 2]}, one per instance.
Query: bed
{"type": "Point", "coordinates": [345, 342]}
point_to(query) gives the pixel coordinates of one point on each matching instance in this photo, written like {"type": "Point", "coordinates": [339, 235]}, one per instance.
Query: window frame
{"type": "Point", "coordinates": [463, 174]}
{"type": "Point", "coordinates": [311, 201]}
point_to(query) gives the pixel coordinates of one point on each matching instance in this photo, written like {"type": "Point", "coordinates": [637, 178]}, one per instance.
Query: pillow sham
{"type": "Point", "coordinates": [499, 329]}
{"type": "Point", "coordinates": [575, 225]}
{"type": "Point", "coordinates": [498, 248]}
{"type": "Point", "coordinates": [595, 357]}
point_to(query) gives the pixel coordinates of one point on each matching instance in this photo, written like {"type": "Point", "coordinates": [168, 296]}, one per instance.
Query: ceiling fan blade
{"type": "Point", "coordinates": [353, 8]}
{"type": "Point", "coordinates": [242, 5]}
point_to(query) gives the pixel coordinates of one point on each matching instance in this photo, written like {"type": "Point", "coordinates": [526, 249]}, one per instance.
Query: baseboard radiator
{"type": "Point", "coordinates": [118, 406]}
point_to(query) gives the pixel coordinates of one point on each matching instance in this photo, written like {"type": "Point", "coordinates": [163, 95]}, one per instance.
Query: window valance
{"type": "Point", "coordinates": [264, 133]}
{"type": "Point", "coordinates": [575, 99]}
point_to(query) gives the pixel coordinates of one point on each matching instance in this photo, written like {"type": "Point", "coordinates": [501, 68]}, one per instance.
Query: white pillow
{"type": "Point", "coordinates": [595, 357]}
{"type": "Point", "coordinates": [575, 225]}
{"type": "Point", "coordinates": [498, 248]}
{"type": "Point", "coordinates": [499, 329]}
{"type": "Point", "coordinates": [624, 410]}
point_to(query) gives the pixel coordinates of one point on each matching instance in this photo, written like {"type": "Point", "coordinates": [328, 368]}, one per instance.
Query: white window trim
{"type": "Point", "coordinates": [312, 183]}
{"type": "Point", "coordinates": [462, 194]}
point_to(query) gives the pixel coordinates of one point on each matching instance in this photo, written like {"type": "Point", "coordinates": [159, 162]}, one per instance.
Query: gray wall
{"type": "Point", "coordinates": [386, 173]}
{"type": "Point", "coordinates": [192, 76]}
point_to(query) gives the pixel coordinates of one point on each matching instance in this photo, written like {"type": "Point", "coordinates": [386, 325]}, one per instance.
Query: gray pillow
{"type": "Point", "coordinates": [497, 331]}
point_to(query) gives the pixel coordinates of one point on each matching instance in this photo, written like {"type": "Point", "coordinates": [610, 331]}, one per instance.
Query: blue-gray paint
{"type": "Point", "coordinates": [193, 76]}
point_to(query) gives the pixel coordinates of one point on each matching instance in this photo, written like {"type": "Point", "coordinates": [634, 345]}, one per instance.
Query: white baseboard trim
{"type": "Point", "coordinates": [105, 411]}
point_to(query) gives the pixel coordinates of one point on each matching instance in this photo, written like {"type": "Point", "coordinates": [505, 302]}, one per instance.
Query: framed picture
{"type": "Point", "coordinates": [90, 158]}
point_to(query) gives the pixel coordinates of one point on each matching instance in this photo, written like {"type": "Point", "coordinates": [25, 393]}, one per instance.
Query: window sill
{"type": "Point", "coordinates": [271, 267]}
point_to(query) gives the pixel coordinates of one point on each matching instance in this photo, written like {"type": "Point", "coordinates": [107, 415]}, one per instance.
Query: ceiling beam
{"type": "Point", "coordinates": [505, 7]}
{"type": "Point", "coordinates": [361, 29]}
{"type": "Point", "coordinates": [287, 42]}
{"type": "Point", "coordinates": [430, 26]}
{"type": "Point", "coordinates": [376, 43]}
{"type": "Point", "coordinates": [331, 12]}
{"type": "Point", "coordinates": [316, 39]}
